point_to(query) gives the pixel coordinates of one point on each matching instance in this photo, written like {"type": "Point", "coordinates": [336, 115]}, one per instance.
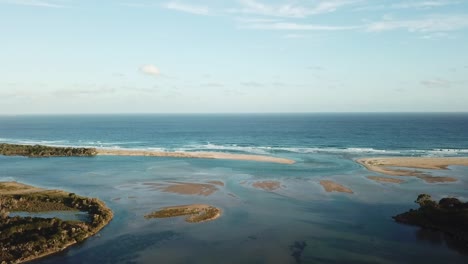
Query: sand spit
{"type": "Point", "coordinates": [195, 213]}
{"type": "Point", "coordinates": [385, 179]}
{"type": "Point", "coordinates": [200, 155]}
{"type": "Point", "coordinates": [331, 186]}
{"type": "Point", "coordinates": [384, 166]}
{"type": "Point", "coordinates": [267, 185]}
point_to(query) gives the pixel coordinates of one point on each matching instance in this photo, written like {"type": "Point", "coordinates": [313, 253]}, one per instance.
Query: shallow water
{"type": "Point", "coordinates": [299, 223]}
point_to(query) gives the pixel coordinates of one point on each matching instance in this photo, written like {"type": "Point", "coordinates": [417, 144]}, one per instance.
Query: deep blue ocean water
{"type": "Point", "coordinates": [256, 226]}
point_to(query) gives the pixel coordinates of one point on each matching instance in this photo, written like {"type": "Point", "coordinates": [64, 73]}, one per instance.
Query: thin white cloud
{"type": "Point", "coordinates": [150, 70]}
{"type": "Point", "coordinates": [436, 83]}
{"type": "Point", "coordinates": [36, 3]}
{"type": "Point", "coordinates": [256, 7]}
{"type": "Point", "coordinates": [187, 8]}
{"type": "Point", "coordinates": [428, 24]}
{"type": "Point", "coordinates": [423, 4]}
{"type": "Point", "coordinates": [298, 27]}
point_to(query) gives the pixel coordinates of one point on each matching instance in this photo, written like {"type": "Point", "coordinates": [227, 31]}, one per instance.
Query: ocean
{"type": "Point", "coordinates": [297, 223]}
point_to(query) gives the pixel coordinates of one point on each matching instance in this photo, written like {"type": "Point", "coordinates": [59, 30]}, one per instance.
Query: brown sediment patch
{"type": "Point", "coordinates": [331, 186]}
{"type": "Point", "coordinates": [385, 179]}
{"type": "Point", "coordinates": [232, 195]}
{"type": "Point", "coordinates": [190, 188]}
{"type": "Point", "coordinates": [116, 199]}
{"type": "Point", "coordinates": [199, 155]}
{"type": "Point", "coordinates": [384, 166]}
{"type": "Point", "coordinates": [132, 197]}
{"type": "Point", "coordinates": [219, 183]}
{"type": "Point", "coordinates": [267, 185]}
{"type": "Point", "coordinates": [195, 213]}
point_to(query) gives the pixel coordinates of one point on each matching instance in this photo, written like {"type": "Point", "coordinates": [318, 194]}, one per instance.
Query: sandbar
{"type": "Point", "coordinates": [200, 155]}
{"type": "Point", "coordinates": [384, 165]}
{"type": "Point", "coordinates": [195, 213]}
{"type": "Point", "coordinates": [385, 179]}
{"type": "Point", "coordinates": [331, 186]}
{"type": "Point", "coordinates": [186, 188]}
{"type": "Point", "coordinates": [267, 185]}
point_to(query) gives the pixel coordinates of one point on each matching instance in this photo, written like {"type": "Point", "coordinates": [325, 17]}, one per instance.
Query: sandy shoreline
{"type": "Point", "coordinates": [384, 166]}
{"type": "Point", "coordinates": [199, 155]}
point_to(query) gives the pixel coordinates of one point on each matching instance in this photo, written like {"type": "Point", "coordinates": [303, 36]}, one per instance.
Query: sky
{"type": "Point", "coordinates": [233, 56]}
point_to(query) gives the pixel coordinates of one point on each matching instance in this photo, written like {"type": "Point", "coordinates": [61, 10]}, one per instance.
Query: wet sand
{"type": "Point", "coordinates": [199, 155]}
{"type": "Point", "coordinates": [186, 188]}
{"type": "Point", "coordinates": [385, 179]}
{"type": "Point", "coordinates": [331, 186]}
{"type": "Point", "coordinates": [267, 185]}
{"type": "Point", "coordinates": [384, 166]}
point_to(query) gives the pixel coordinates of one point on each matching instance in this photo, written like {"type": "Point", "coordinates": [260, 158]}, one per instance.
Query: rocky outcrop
{"type": "Point", "coordinates": [45, 151]}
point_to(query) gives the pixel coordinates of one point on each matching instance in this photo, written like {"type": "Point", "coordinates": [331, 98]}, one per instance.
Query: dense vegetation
{"type": "Point", "coordinates": [449, 215]}
{"type": "Point", "coordinates": [44, 151]}
{"type": "Point", "coordinates": [26, 238]}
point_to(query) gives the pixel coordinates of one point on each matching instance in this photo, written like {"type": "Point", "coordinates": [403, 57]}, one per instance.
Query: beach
{"type": "Point", "coordinates": [199, 155]}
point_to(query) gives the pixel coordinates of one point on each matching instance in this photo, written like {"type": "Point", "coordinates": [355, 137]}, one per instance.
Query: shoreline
{"type": "Point", "coordinates": [198, 155]}
{"type": "Point", "coordinates": [392, 166]}
{"type": "Point", "coordinates": [21, 197]}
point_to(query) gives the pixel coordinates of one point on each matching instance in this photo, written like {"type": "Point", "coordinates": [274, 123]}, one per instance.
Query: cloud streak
{"type": "Point", "coordinates": [427, 24]}
{"type": "Point", "coordinates": [35, 3]}
{"type": "Point", "coordinates": [187, 8]}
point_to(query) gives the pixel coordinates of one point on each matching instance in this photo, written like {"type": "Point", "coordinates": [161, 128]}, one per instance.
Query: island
{"type": "Point", "coordinates": [449, 216]}
{"type": "Point", "coordinates": [45, 151]}
{"type": "Point", "coordinates": [395, 166]}
{"type": "Point", "coordinates": [27, 238]}
{"type": "Point", "coordinates": [195, 213]}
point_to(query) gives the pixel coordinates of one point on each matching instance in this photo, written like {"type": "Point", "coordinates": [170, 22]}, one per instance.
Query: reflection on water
{"type": "Point", "coordinates": [64, 215]}
{"type": "Point", "coordinates": [440, 238]}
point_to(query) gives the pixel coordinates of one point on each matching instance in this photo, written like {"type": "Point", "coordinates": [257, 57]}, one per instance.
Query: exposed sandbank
{"type": "Point", "coordinates": [331, 186]}
{"type": "Point", "coordinates": [267, 185]}
{"type": "Point", "coordinates": [195, 213]}
{"type": "Point", "coordinates": [186, 188]}
{"type": "Point", "coordinates": [384, 166]}
{"type": "Point", "coordinates": [200, 155]}
{"type": "Point", "coordinates": [385, 179]}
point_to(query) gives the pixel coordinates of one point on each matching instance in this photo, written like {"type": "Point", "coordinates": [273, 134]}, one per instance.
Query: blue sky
{"type": "Point", "coordinates": [144, 56]}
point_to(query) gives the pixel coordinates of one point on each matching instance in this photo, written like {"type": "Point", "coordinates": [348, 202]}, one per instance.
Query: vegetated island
{"type": "Point", "coordinates": [27, 238]}
{"type": "Point", "coordinates": [195, 213]}
{"type": "Point", "coordinates": [392, 166]}
{"type": "Point", "coordinates": [45, 151]}
{"type": "Point", "coordinates": [450, 216]}
{"type": "Point", "coordinates": [50, 151]}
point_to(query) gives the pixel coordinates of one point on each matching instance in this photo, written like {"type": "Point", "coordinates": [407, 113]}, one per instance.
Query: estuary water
{"type": "Point", "coordinates": [297, 223]}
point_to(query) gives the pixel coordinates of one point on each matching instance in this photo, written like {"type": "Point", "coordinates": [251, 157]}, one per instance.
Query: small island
{"type": "Point", "coordinates": [449, 215]}
{"type": "Point", "coordinates": [195, 213]}
{"type": "Point", "coordinates": [27, 238]}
